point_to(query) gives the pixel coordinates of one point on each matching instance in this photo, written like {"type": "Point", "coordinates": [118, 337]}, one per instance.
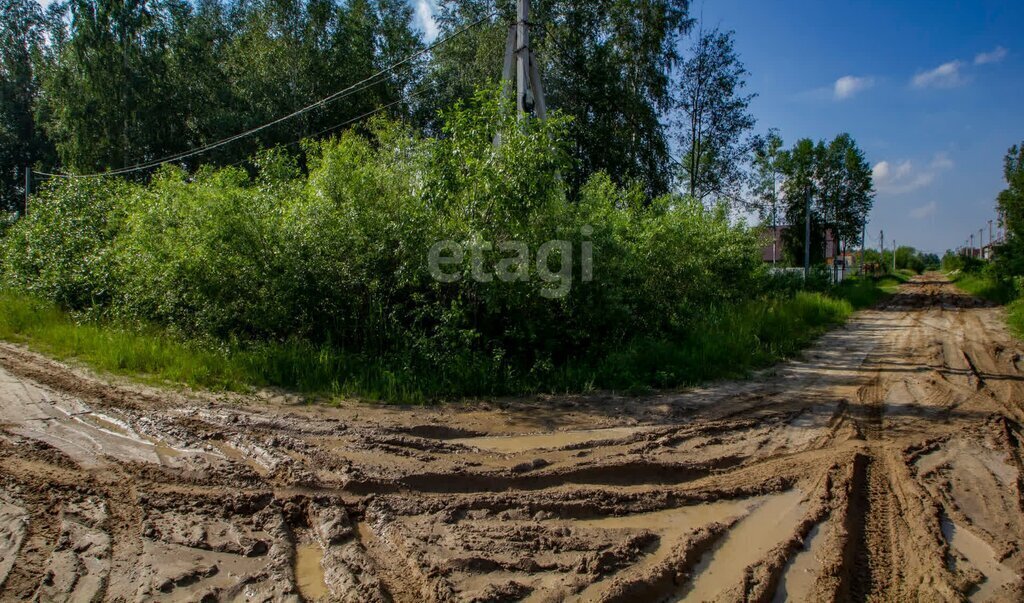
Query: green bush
{"type": "Point", "coordinates": [331, 259]}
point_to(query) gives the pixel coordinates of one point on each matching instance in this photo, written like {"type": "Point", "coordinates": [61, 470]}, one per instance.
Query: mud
{"type": "Point", "coordinates": [884, 465]}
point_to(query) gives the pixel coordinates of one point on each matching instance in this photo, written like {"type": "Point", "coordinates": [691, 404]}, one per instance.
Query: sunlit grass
{"type": "Point", "coordinates": [729, 341]}
{"type": "Point", "coordinates": [985, 287]}
{"type": "Point", "coordinates": [1015, 317]}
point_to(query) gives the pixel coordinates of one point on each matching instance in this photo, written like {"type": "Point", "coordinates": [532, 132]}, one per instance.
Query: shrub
{"type": "Point", "coordinates": [335, 257]}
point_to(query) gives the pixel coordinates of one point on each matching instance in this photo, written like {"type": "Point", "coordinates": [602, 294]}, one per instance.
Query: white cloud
{"type": "Point", "coordinates": [425, 19]}
{"type": "Point", "coordinates": [941, 162]}
{"type": "Point", "coordinates": [947, 75]}
{"type": "Point", "coordinates": [995, 56]}
{"type": "Point", "coordinates": [904, 177]}
{"type": "Point", "coordinates": [849, 85]}
{"type": "Point", "coordinates": [920, 213]}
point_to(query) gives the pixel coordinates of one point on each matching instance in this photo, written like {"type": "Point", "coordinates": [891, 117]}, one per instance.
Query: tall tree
{"type": "Point", "coordinates": [105, 94]}
{"type": "Point", "coordinates": [765, 179]}
{"type": "Point", "coordinates": [22, 144]}
{"type": "Point", "coordinates": [857, 194]}
{"type": "Point", "coordinates": [833, 182]}
{"type": "Point", "coordinates": [715, 121]}
{"type": "Point", "coordinates": [606, 63]}
{"type": "Point", "coordinates": [800, 190]}
{"type": "Point", "coordinates": [1010, 256]}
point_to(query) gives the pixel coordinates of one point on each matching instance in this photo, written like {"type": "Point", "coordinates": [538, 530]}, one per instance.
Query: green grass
{"type": "Point", "coordinates": [985, 287]}
{"type": "Point", "coordinates": [727, 342]}
{"type": "Point", "coordinates": [142, 353]}
{"type": "Point", "coordinates": [866, 292]}
{"type": "Point", "coordinates": [1015, 317]}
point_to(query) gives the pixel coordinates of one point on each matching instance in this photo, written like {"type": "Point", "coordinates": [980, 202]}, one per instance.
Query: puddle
{"type": "Point", "coordinates": [980, 555]}
{"type": "Point", "coordinates": [721, 568]}
{"type": "Point", "coordinates": [558, 439]}
{"type": "Point", "coordinates": [672, 525]}
{"type": "Point", "coordinates": [802, 571]}
{"type": "Point", "coordinates": [677, 521]}
{"type": "Point", "coordinates": [109, 425]}
{"type": "Point", "coordinates": [309, 571]}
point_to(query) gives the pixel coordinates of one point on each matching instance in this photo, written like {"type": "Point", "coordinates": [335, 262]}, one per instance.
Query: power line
{"type": "Point", "coordinates": [342, 124]}
{"type": "Point", "coordinates": [357, 87]}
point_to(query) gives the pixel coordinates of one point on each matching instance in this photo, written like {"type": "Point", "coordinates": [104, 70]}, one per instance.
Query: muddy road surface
{"type": "Point", "coordinates": [885, 465]}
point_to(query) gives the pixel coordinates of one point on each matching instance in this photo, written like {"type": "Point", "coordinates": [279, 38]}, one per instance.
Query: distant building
{"type": "Point", "coordinates": [772, 245]}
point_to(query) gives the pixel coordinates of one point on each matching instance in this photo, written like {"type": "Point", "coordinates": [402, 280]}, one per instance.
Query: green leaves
{"type": "Point", "coordinates": [338, 257]}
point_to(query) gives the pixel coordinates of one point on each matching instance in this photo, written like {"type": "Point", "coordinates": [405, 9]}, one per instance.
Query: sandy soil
{"type": "Point", "coordinates": [884, 465]}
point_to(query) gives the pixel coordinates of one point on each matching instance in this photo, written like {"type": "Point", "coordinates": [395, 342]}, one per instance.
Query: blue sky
{"type": "Point", "coordinates": [931, 90]}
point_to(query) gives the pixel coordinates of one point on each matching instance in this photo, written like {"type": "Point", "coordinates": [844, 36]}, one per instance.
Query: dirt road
{"type": "Point", "coordinates": [885, 465]}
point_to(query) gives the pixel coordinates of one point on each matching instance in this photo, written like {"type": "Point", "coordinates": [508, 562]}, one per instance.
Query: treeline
{"type": "Point", "coordinates": [312, 260]}
{"type": "Point", "coordinates": [1010, 203]}
{"type": "Point", "coordinates": [95, 85]}
{"type": "Point", "coordinates": [828, 183]}
{"type": "Point", "coordinates": [92, 85]}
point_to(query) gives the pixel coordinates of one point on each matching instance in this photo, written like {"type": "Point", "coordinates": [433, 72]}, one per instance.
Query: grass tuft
{"type": "Point", "coordinates": [727, 342]}
{"type": "Point", "coordinates": [1015, 317]}
{"type": "Point", "coordinates": [986, 287]}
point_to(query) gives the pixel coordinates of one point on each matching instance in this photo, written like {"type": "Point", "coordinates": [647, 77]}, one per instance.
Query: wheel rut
{"type": "Point", "coordinates": [885, 462]}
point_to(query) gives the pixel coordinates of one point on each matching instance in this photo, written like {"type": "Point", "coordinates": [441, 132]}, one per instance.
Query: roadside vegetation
{"type": "Point", "coordinates": [728, 343]}
{"type": "Point", "coordinates": [298, 255]}
{"type": "Point", "coordinates": [985, 280]}
{"type": "Point", "coordinates": [1000, 279]}
{"type": "Point", "coordinates": [319, 281]}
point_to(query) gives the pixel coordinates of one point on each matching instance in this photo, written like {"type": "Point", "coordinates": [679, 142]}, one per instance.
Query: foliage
{"type": "Point", "coordinates": [608, 64]}
{"type": "Point", "coordinates": [127, 81]}
{"type": "Point", "coordinates": [22, 26]}
{"type": "Point", "coordinates": [908, 258]}
{"type": "Point", "coordinates": [727, 342]}
{"type": "Point", "coordinates": [829, 184]}
{"type": "Point", "coordinates": [1015, 318]}
{"type": "Point", "coordinates": [1009, 257]}
{"type": "Point", "coordinates": [715, 117]}
{"type": "Point", "coordinates": [338, 259]}
{"type": "Point", "coordinates": [986, 284]}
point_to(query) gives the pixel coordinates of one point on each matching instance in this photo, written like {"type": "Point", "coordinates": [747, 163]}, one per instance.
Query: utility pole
{"type": "Point", "coordinates": [972, 244]}
{"type": "Point", "coordinates": [529, 90]}
{"type": "Point", "coordinates": [991, 241]}
{"type": "Point", "coordinates": [894, 255]}
{"type": "Point", "coordinates": [863, 241]}
{"type": "Point", "coordinates": [807, 240]}
{"type": "Point", "coordinates": [881, 253]}
{"type": "Point", "coordinates": [519, 56]}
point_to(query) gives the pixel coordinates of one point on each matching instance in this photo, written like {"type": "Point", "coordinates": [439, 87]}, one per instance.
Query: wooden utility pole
{"type": "Point", "coordinates": [519, 56]}
{"type": "Point", "coordinates": [894, 255]}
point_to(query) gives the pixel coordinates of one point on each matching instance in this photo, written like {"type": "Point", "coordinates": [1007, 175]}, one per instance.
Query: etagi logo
{"type": "Point", "coordinates": [514, 263]}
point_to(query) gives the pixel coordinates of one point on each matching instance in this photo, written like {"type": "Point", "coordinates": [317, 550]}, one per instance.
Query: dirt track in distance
{"type": "Point", "coordinates": [884, 465]}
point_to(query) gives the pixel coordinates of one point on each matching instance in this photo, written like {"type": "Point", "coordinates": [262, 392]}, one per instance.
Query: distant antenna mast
{"type": "Point", "coordinates": [519, 56]}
